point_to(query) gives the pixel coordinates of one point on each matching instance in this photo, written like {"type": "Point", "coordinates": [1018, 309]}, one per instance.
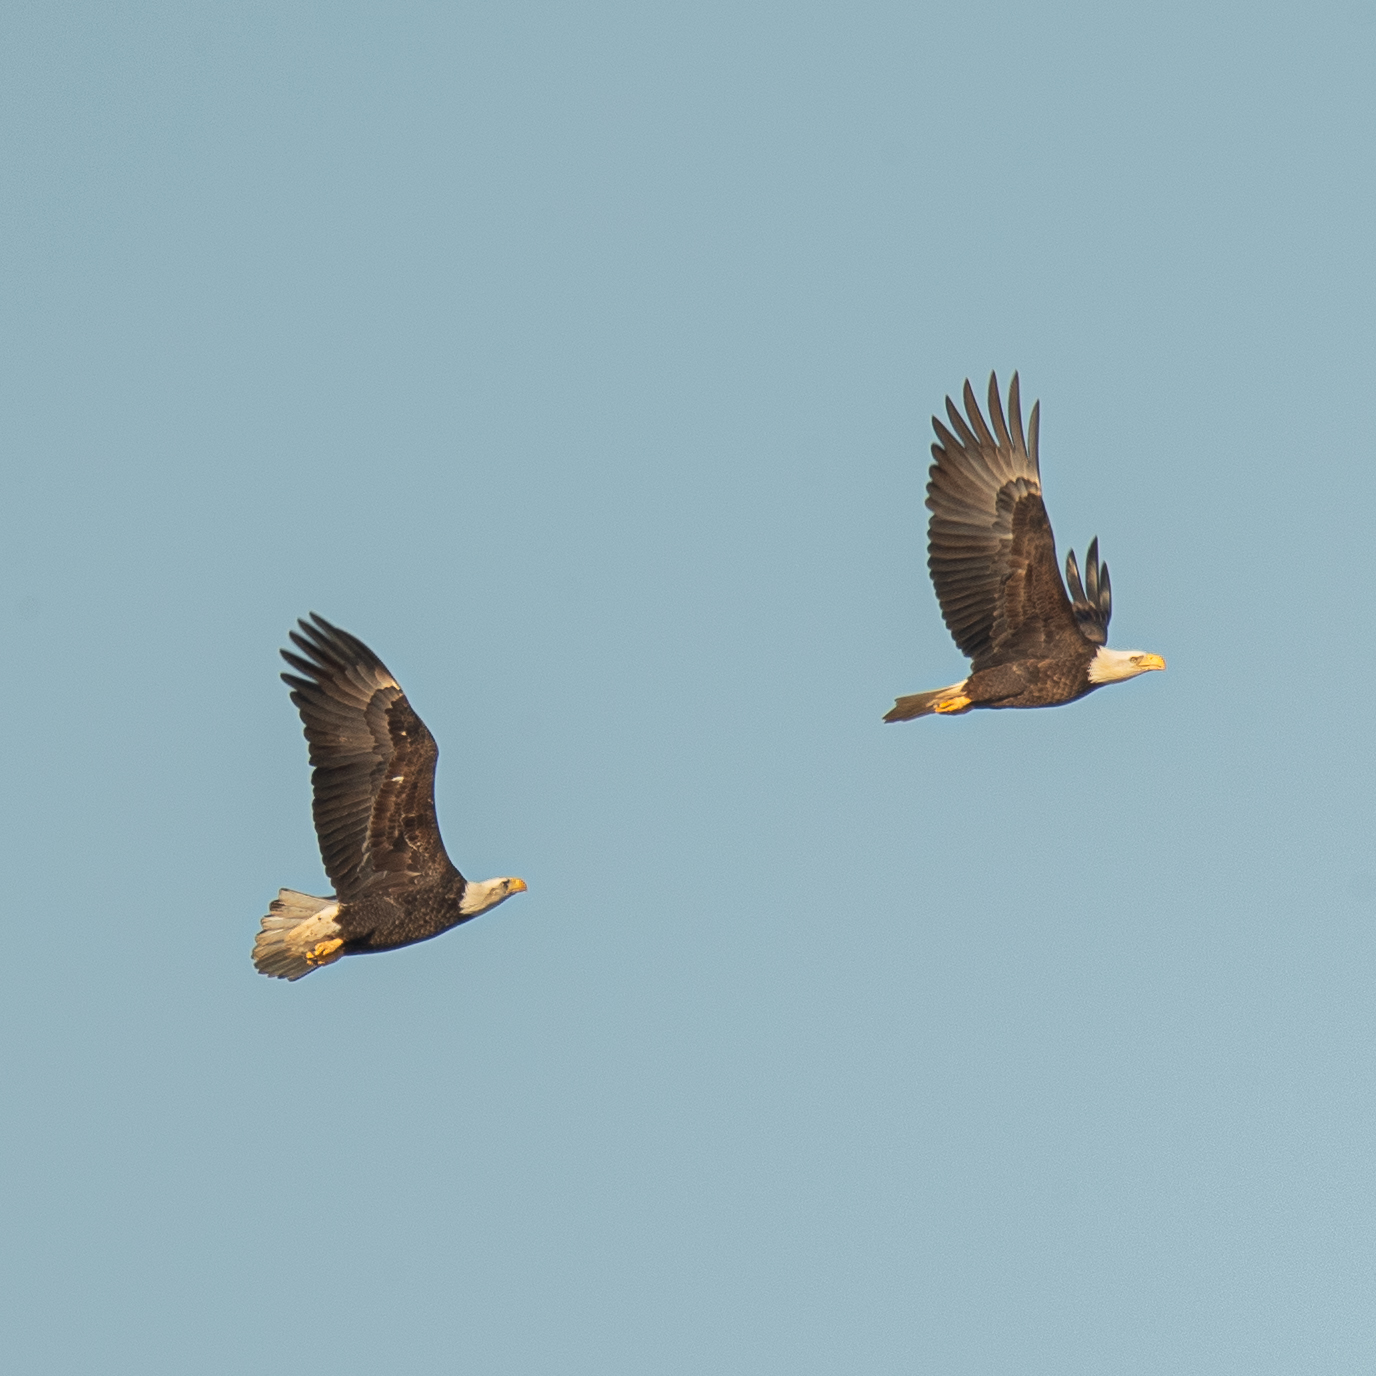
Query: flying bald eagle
{"type": "Point", "coordinates": [992, 559]}
{"type": "Point", "coordinates": [374, 785]}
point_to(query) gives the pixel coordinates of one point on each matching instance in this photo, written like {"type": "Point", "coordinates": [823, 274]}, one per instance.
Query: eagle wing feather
{"type": "Point", "coordinates": [1092, 600]}
{"type": "Point", "coordinates": [374, 765]}
{"type": "Point", "coordinates": [990, 550]}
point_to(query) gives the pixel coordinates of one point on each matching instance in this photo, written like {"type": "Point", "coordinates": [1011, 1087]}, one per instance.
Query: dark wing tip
{"type": "Point", "coordinates": [311, 639]}
{"type": "Point", "coordinates": [331, 648]}
{"type": "Point", "coordinates": [1072, 577]}
{"type": "Point", "coordinates": [321, 633]}
{"type": "Point", "coordinates": [996, 413]}
{"type": "Point", "coordinates": [1015, 413]}
{"type": "Point", "coordinates": [977, 418]}
{"type": "Point", "coordinates": [967, 436]}
{"type": "Point", "coordinates": [1092, 600]}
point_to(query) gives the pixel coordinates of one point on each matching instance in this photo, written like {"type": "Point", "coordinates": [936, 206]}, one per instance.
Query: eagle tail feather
{"type": "Point", "coordinates": [295, 925]}
{"type": "Point", "coordinates": [922, 704]}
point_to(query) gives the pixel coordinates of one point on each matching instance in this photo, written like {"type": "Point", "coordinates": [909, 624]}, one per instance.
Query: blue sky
{"type": "Point", "coordinates": [580, 360]}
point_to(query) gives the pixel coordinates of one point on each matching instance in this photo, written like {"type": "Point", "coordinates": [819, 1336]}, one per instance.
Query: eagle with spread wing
{"type": "Point", "coordinates": [374, 808]}
{"type": "Point", "coordinates": [992, 558]}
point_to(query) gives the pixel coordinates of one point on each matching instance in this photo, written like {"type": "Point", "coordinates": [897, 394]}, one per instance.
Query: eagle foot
{"type": "Point", "coordinates": [953, 705]}
{"type": "Point", "coordinates": [325, 953]}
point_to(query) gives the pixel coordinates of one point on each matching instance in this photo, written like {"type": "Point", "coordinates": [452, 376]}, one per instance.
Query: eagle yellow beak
{"type": "Point", "coordinates": [1153, 662]}
{"type": "Point", "coordinates": [519, 885]}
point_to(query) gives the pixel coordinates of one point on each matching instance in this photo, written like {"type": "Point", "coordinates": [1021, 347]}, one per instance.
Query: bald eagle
{"type": "Point", "coordinates": [992, 559]}
{"type": "Point", "coordinates": [374, 785]}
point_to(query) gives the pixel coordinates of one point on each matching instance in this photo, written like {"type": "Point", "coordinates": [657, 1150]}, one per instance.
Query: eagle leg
{"type": "Point", "coordinates": [325, 952]}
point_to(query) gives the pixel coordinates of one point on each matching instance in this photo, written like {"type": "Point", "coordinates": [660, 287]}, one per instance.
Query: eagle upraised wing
{"type": "Point", "coordinates": [990, 549]}
{"type": "Point", "coordinates": [374, 759]}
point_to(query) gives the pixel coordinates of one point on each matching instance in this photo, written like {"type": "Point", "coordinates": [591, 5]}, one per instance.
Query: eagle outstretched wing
{"type": "Point", "coordinates": [990, 549]}
{"type": "Point", "coordinates": [374, 765]}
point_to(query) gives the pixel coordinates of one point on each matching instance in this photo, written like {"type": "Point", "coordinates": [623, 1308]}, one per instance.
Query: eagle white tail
{"type": "Point", "coordinates": [297, 924]}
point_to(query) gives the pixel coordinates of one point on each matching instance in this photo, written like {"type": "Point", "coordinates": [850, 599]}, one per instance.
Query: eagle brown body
{"type": "Point", "coordinates": [992, 558]}
{"type": "Point", "coordinates": [374, 809]}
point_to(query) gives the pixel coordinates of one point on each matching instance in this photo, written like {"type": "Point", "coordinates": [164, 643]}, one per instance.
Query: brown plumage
{"type": "Point", "coordinates": [374, 808]}
{"type": "Point", "coordinates": [992, 559]}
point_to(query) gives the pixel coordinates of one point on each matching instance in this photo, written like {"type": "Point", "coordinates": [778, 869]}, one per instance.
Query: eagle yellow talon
{"type": "Point", "coordinates": [953, 704]}
{"type": "Point", "coordinates": [325, 952]}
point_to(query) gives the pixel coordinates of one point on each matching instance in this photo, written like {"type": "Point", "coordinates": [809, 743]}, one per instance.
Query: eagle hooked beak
{"type": "Point", "coordinates": [1152, 662]}
{"type": "Point", "coordinates": [519, 885]}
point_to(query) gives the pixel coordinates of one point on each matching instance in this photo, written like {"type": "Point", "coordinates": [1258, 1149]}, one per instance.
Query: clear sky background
{"type": "Point", "coordinates": [579, 358]}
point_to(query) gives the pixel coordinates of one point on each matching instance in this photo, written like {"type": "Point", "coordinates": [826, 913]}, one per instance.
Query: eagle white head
{"type": "Point", "coordinates": [1109, 666]}
{"type": "Point", "coordinates": [487, 893]}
